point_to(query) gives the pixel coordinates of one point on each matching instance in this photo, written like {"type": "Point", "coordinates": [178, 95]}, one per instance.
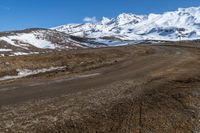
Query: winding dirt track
{"type": "Point", "coordinates": [154, 93]}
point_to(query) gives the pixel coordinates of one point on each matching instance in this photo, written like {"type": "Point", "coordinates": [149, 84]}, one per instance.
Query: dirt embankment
{"type": "Point", "coordinates": [152, 89]}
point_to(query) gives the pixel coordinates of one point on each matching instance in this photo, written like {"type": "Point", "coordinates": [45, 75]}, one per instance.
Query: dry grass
{"type": "Point", "coordinates": [75, 61]}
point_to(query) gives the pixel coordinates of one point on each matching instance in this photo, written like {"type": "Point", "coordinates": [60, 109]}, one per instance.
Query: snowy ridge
{"type": "Point", "coordinates": [35, 41]}
{"type": "Point", "coordinates": [182, 24]}
{"type": "Point", "coordinates": [26, 39]}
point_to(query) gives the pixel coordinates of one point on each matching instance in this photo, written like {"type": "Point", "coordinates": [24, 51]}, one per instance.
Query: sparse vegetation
{"type": "Point", "coordinates": [141, 89]}
{"type": "Point", "coordinates": [75, 61]}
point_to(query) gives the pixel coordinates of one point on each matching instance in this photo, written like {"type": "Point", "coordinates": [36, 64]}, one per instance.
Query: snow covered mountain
{"type": "Point", "coordinates": [33, 41]}
{"type": "Point", "coordinates": [125, 29]}
{"type": "Point", "coordinates": [182, 24]}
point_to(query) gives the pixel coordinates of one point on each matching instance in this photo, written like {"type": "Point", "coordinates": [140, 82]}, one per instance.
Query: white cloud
{"type": "Point", "coordinates": [90, 19]}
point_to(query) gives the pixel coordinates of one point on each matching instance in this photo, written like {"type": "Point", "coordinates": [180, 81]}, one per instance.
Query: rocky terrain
{"type": "Point", "coordinates": [107, 90]}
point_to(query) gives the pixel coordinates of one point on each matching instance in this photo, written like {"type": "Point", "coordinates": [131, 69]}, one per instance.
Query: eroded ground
{"type": "Point", "coordinates": [131, 89]}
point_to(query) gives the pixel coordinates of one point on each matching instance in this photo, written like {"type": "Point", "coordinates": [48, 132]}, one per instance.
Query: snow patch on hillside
{"type": "Point", "coordinates": [5, 50]}
{"type": "Point", "coordinates": [26, 72]}
{"type": "Point", "coordinates": [27, 39]}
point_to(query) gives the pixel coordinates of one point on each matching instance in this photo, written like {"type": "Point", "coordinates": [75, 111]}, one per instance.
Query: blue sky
{"type": "Point", "coordinates": [20, 14]}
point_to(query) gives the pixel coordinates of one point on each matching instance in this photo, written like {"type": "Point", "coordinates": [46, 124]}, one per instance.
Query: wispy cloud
{"type": "Point", "coordinates": [5, 8]}
{"type": "Point", "coordinates": [90, 19]}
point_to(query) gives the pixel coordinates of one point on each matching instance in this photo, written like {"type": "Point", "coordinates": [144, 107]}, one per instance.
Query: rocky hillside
{"type": "Point", "coordinates": [33, 41]}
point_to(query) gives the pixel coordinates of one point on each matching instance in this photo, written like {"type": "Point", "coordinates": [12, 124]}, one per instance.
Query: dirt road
{"type": "Point", "coordinates": [155, 92]}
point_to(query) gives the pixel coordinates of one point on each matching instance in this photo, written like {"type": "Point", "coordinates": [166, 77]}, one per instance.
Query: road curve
{"type": "Point", "coordinates": [133, 68]}
{"type": "Point", "coordinates": [156, 92]}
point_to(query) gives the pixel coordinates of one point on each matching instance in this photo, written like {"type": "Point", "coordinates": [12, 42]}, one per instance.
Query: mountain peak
{"type": "Point", "coordinates": [105, 20]}
{"type": "Point", "coordinates": [190, 9]}
{"type": "Point", "coordinates": [125, 18]}
{"type": "Point", "coordinates": [128, 26]}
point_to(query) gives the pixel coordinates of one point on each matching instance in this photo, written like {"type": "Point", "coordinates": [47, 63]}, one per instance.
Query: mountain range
{"type": "Point", "coordinates": [175, 25]}
{"type": "Point", "coordinates": [127, 28]}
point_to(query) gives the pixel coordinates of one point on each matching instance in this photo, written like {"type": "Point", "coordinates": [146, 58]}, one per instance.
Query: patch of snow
{"type": "Point", "coordinates": [5, 50]}
{"type": "Point", "coordinates": [26, 72]}
{"type": "Point", "coordinates": [111, 43]}
{"type": "Point", "coordinates": [20, 53]}
{"type": "Point", "coordinates": [23, 53]}
{"type": "Point", "coordinates": [27, 39]}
